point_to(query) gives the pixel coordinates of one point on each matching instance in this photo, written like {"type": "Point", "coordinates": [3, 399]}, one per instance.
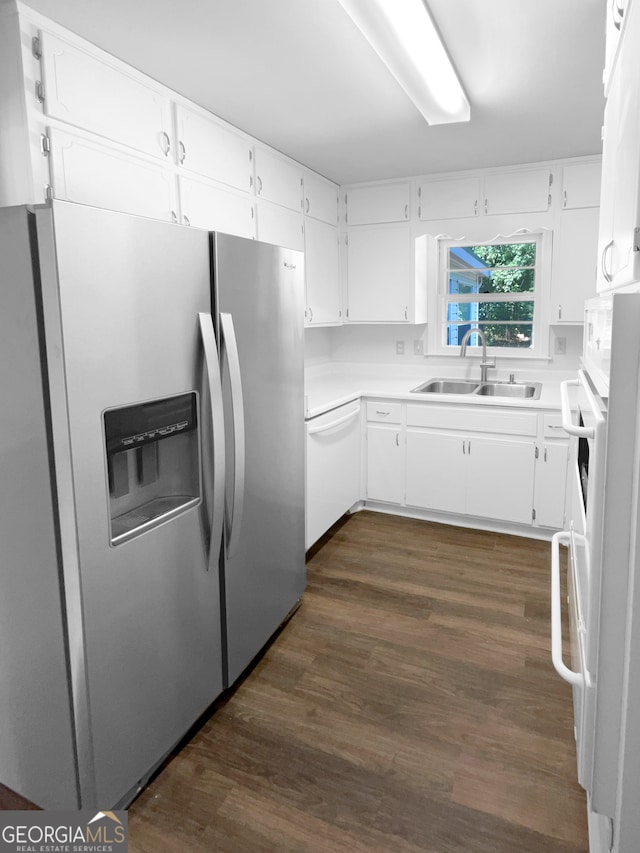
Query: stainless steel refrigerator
{"type": "Point", "coordinates": [151, 487]}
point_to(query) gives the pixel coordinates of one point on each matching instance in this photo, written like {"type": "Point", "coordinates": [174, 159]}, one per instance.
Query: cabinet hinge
{"type": "Point", "coordinates": [39, 92]}
{"type": "Point", "coordinates": [347, 313]}
{"type": "Point", "coordinates": [549, 200]}
{"type": "Point", "coordinates": [533, 515]}
{"type": "Point", "coordinates": [550, 178]}
{"type": "Point", "coordinates": [45, 144]}
{"type": "Point", "coordinates": [36, 47]}
{"type": "Point", "coordinates": [346, 239]}
{"type": "Point", "coordinates": [419, 192]}
{"type": "Point", "coordinates": [48, 192]}
{"type": "Point", "coordinates": [419, 211]}
{"type": "Point", "coordinates": [636, 241]}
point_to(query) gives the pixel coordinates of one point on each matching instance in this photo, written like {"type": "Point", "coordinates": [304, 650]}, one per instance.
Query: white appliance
{"type": "Point", "coordinates": [151, 487]}
{"type": "Point", "coordinates": [600, 411]}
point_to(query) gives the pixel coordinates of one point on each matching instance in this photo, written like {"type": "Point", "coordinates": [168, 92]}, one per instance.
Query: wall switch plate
{"type": "Point", "coordinates": [560, 346]}
{"type": "Point", "coordinates": [399, 347]}
{"type": "Point", "coordinates": [418, 347]}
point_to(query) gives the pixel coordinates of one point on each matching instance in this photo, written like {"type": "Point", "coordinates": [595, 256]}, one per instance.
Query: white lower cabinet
{"type": "Point", "coordinates": [385, 463]}
{"type": "Point", "coordinates": [551, 484]}
{"type": "Point", "coordinates": [385, 451]}
{"type": "Point", "coordinates": [333, 468]}
{"type": "Point", "coordinates": [470, 475]}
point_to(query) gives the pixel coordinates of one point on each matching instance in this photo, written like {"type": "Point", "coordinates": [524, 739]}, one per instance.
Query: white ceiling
{"type": "Point", "coordinates": [298, 75]}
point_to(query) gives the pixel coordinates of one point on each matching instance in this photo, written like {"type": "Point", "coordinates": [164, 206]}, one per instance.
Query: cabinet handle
{"type": "Point", "coordinates": [164, 137]}
{"type": "Point", "coordinates": [382, 414]}
{"type": "Point", "coordinates": [306, 205]}
{"type": "Point", "coordinates": [406, 211]}
{"type": "Point", "coordinates": [186, 220]}
{"type": "Point", "coordinates": [469, 448]}
{"type": "Point", "coordinates": [545, 454]}
{"type": "Point", "coordinates": [603, 262]}
{"type": "Point", "coordinates": [258, 184]}
{"type": "Point", "coordinates": [559, 312]}
{"type": "Point", "coordinates": [564, 198]}
{"type": "Point", "coordinates": [311, 315]}
{"type": "Point", "coordinates": [475, 207]}
{"type": "Point", "coordinates": [183, 152]}
{"type": "Point", "coordinates": [174, 217]}
{"type": "Point", "coordinates": [464, 448]}
{"type": "Point", "coordinates": [397, 439]}
{"type": "Point", "coordinates": [406, 314]}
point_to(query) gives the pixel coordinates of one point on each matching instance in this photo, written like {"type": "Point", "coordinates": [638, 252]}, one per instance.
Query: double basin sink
{"type": "Point", "coordinates": [517, 390]}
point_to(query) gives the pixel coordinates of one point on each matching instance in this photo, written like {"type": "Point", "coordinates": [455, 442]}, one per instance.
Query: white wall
{"type": "Point", "coordinates": [376, 344]}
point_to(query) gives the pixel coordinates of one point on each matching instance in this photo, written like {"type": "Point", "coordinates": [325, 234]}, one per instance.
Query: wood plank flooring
{"type": "Point", "coordinates": [409, 705]}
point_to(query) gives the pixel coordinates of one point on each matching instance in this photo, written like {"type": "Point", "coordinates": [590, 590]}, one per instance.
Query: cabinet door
{"type": "Point", "coordinates": [378, 274]}
{"type": "Point", "coordinates": [500, 479]}
{"type": "Point", "coordinates": [385, 468]}
{"type": "Point", "coordinates": [278, 180]}
{"type": "Point", "coordinates": [551, 484]}
{"type": "Point", "coordinates": [581, 185]}
{"type": "Point", "coordinates": [212, 150]}
{"type": "Point", "coordinates": [574, 268]}
{"type": "Point", "coordinates": [215, 208]}
{"type": "Point", "coordinates": [85, 91]}
{"type": "Point", "coordinates": [322, 273]}
{"type": "Point", "coordinates": [380, 203]}
{"type": "Point", "coordinates": [279, 225]}
{"type": "Point", "coordinates": [320, 199]}
{"type": "Point", "coordinates": [517, 192]}
{"type": "Point", "coordinates": [436, 471]}
{"type": "Point", "coordinates": [455, 198]}
{"type": "Point", "coordinates": [333, 468]}
{"type": "Point", "coordinates": [89, 172]}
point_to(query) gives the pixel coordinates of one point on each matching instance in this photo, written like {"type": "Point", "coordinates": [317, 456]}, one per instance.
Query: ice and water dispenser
{"type": "Point", "coordinates": [152, 451]}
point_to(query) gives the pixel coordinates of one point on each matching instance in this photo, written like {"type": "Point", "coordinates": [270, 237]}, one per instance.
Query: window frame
{"type": "Point", "coordinates": [539, 296]}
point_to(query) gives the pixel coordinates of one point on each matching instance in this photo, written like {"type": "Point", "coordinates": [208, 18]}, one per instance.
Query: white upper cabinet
{"type": "Point", "coordinates": [277, 180]}
{"type": "Point", "coordinates": [322, 274]}
{"type": "Point", "coordinates": [215, 208]}
{"type": "Point", "coordinates": [212, 150]}
{"type": "Point", "coordinates": [451, 198]}
{"type": "Point", "coordinates": [278, 225]}
{"type": "Point", "coordinates": [83, 90]}
{"type": "Point", "coordinates": [517, 192]}
{"type": "Point", "coordinates": [86, 171]}
{"type": "Point", "coordinates": [378, 204]}
{"type": "Point", "coordinates": [320, 198]}
{"type": "Point", "coordinates": [615, 21]}
{"type": "Point", "coordinates": [574, 265]}
{"type": "Point", "coordinates": [379, 274]}
{"type": "Point", "coordinates": [619, 237]}
{"type": "Point", "coordinates": [581, 185]}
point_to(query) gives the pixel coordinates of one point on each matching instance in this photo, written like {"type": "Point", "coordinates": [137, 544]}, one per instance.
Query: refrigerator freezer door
{"type": "Point", "coordinates": [36, 736]}
{"type": "Point", "coordinates": [259, 289]}
{"type": "Point", "coordinates": [122, 302]}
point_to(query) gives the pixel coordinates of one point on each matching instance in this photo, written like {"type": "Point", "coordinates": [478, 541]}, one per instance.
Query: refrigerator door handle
{"type": "Point", "coordinates": [237, 405]}
{"type": "Point", "coordinates": [214, 382]}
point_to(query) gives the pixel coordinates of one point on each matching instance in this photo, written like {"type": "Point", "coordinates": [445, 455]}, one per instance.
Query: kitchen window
{"type": "Point", "coordinates": [495, 286]}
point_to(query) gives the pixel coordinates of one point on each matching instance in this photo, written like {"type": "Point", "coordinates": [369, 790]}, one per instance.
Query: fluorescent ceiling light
{"type": "Point", "coordinates": [404, 36]}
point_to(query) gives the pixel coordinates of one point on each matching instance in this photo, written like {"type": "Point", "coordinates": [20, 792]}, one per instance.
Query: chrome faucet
{"type": "Point", "coordinates": [484, 364]}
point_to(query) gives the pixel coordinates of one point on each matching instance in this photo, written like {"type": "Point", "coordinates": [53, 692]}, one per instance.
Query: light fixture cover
{"type": "Point", "coordinates": [404, 36]}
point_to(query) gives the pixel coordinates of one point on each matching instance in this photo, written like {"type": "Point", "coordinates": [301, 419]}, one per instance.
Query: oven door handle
{"type": "Point", "coordinates": [565, 405]}
{"type": "Point", "coordinates": [575, 678]}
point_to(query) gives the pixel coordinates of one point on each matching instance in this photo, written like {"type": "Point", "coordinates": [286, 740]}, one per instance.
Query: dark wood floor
{"type": "Point", "coordinates": [409, 705]}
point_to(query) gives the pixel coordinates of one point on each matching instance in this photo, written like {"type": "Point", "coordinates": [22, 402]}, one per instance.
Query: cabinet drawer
{"type": "Point", "coordinates": [390, 413]}
{"type": "Point", "coordinates": [473, 420]}
{"type": "Point", "coordinates": [552, 426]}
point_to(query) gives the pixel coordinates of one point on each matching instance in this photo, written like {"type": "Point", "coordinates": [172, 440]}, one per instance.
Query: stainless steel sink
{"type": "Point", "coordinates": [530, 390]}
{"type": "Point", "coordinates": [446, 386]}
{"type": "Point", "coordinates": [515, 390]}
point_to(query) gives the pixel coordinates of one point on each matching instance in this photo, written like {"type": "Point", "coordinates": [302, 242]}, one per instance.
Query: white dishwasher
{"type": "Point", "coordinates": [333, 467]}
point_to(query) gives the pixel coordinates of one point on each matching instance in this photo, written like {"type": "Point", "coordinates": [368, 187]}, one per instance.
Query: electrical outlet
{"type": "Point", "coordinates": [560, 346]}
{"type": "Point", "coordinates": [418, 347]}
{"type": "Point", "coordinates": [399, 347]}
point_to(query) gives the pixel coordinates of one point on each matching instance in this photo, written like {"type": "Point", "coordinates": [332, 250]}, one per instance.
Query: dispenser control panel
{"type": "Point", "coordinates": [132, 426]}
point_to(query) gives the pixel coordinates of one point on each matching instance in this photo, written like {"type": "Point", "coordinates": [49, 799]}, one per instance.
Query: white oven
{"type": "Point", "coordinates": [584, 418]}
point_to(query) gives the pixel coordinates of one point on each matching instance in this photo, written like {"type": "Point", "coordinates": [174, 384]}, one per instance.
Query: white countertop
{"type": "Point", "coordinates": [332, 384]}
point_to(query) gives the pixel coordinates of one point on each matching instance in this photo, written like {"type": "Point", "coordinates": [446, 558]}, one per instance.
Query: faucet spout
{"type": "Point", "coordinates": [484, 364]}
